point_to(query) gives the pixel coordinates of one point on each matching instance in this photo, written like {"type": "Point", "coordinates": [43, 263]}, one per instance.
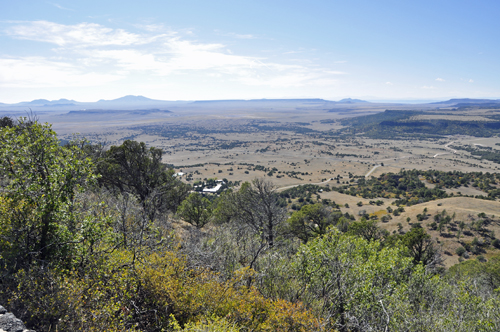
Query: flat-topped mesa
{"type": "Point", "coordinates": [9, 322]}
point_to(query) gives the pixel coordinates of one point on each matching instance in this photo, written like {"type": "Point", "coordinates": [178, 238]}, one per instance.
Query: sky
{"type": "Point", "coordinates": [206, 50]}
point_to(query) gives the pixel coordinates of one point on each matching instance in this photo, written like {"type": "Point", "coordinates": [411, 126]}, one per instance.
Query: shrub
{"type": "Point", "coordinates": [155, 294]}
{"type": "Point", "coordinates": [460, 251]}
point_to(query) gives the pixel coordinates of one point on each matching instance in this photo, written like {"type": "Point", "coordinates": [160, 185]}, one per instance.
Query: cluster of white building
{"type": "Point", "coordinates": [215, 189]}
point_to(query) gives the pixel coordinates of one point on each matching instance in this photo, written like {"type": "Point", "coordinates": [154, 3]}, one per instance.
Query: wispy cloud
{"type": "Point", "coordinates": [440, 79]}
{"type": "Point", "coordinates": [82, 35]}
{"type": "Point", "coordinates": [430, 87]}
{"type": "Point", "coordinates": [243, 36]}
{"type": "Point", "coordinates": [89, 51]}
{"type": "Point", "coordinates": [389, 83]}
{"type": "Point", "coordinates": [60, 7]}
{"type": "Point", "coordinates": [471, 80]}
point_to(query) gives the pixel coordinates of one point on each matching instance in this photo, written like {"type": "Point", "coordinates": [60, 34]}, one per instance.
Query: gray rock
{"type": "Point", "coordinates": [9, 322]}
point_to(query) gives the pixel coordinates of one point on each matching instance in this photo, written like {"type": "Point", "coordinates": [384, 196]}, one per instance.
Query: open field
{"type": "Point", "coordinates": [309, 144]}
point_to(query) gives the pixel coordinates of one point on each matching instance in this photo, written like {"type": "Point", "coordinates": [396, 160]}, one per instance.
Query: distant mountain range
{"type": "Point", "coordinates": [45, 102]}
{"type": "Point", "coordinates": [124, 103]}
{"type": "Point", "coordinates": [312, 100]}
{"type": "Point", "coordinates": [142, 99]}
{"type": "Point", "coordinates": [140, 102]}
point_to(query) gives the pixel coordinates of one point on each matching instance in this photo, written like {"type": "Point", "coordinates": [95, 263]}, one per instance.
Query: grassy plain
{"type": "Point", "coordinates": [293, 145]}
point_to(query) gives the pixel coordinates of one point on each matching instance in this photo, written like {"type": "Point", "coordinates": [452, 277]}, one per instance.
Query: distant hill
{"type": "Point", "coordinates": [468, 101]}
{"type": "Point", "coordinates": [351, 101]}
{"type": "Point", "coordinates": [45, 102]}
{"type": "Point", "coordinates": [34, 102]}
{"type": "Point", "coordinates": [312, 100]}
{"type": "Point", "coordinates": [123, 103]}
{"type": "Point", "coordinates": [130, 99]}
{"type": "Point", "coordinates": [108, 111]}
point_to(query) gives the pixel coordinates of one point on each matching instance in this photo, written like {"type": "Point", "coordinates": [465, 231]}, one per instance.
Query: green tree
{"type": "Point", "coordinates": [196, 210]}
{"type": "Point", "coordinates": [351, 280]}
{"type": "Point", "coordinates": [6, 122]}
{"type": "Point", "coordinates": [421, 247]}
{"type": "Point", "coordinates": [40, 180]}
{"type": "Point", "coordinates": [366, 229]}
{"type": "Point", "coordinates": [134, 168]}
{"type": "Point", "coordinates": [311, 221]}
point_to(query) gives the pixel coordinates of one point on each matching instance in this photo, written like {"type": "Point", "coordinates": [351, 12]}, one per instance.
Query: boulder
{"type": "Point", "coordinates": [9, 322]}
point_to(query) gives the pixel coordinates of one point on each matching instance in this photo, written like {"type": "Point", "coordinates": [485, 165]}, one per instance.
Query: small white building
{"type": "Point", "coordinates": [213, 190]}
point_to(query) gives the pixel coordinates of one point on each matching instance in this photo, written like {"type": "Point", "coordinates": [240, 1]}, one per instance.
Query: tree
{"type": "Point", "coordinates": [136, 169]}
{"type": "Point", "coordinates": [352, 281]}
{"type": "Point", "coordinates": [41, 179]}
{"type": "Point", "coordinates": [6, 122]}
{"type": "Point", "coordinates": [366, 229]}
{"type": "Point", "coordinates": [421, 247]}
{"type": "Point", "coordinates": [257, 206]}
{"type": "Point", "coordinates": [196, 210]}
{"type": "Point", "coordinates": [311, 221]}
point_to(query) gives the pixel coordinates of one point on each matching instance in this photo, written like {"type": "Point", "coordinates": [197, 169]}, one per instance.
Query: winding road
{"type": "Point", "coordinates": [371, 171]}
{"type": "Point", "coordinates": [447, 146]}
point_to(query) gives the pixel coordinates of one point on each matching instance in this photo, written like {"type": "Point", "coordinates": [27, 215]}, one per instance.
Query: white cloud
{"type": "Point", "coordinates": [471, 81]}
{"type": "Point", "coordinates": [37, 72]}
{"type": "Point", "coordinates": [389, 83]}
{"type": "Point", "coordinates": [214, 60]}
{"type": "Point", "coordinates": [440, 79]}
{"type": "Point", "coordinates": [91, 52]}
{"type": "Point", "coordinates": [82, 35]}
{"type": "Point", "coordinates": [428, 87]}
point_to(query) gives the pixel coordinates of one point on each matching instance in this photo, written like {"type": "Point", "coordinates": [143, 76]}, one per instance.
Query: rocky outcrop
{"type": "Point", "coordinates": [9, 322]}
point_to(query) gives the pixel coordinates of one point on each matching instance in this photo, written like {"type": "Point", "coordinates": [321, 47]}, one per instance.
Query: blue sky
{"type": "Point", "coordinates": [198, 49]}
